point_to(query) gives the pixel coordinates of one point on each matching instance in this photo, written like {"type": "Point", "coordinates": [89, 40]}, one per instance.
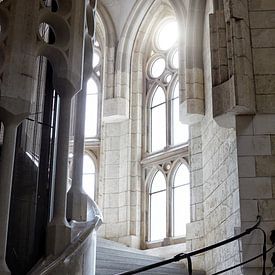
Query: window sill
{"type": "Point", "coordinates": [165, 242]}
{"type": "Point", "coordinates": [168, 153]}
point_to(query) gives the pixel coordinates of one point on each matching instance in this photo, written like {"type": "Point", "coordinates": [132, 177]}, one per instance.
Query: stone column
{"type": "Point", "coordinates": [77, 199]}
{"type": "Point", "coordinates": [59, 233]}
{"type": "Point", "coordinates": [6, 171]}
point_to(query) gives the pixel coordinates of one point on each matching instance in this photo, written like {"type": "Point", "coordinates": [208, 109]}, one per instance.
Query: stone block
{"type": "Point", "coordinates": [194, 230]}
{"type": "Point", "coordinates": [253, 145]}
{"type": "Point", "coordinates": [261, 5]}
{"type": "Point", "coordinates": [249, 210]}
{"type": "Point", "coordinates": [196, 195]}
{"type": "Point", "coordinates": [265, 166]}
{"type": "Point", "coordinates": [112, 171]}
{"type": "Point", "coordinates": [112, 230]}
{"type": "Point", "coordinates": [110, 215]}
{"type": "Point", "coordinates": [265, 84]}
{"type": "Point", "coordinates": [115, 110]}
{"type": "Point", "coordinates": [246, 166]}
{"type": "Point", "coordinates": [263, 64]}
{"type": "Point", "coordinates": [267, 209]}
{"type": "Point", "coordinates": [196, 162]}
{"type": "Point", "coordinates": [255, 188]}
{"type": "Point", "coordinates": [262, 38]}
{"type": "Point", "coordinates": [196, 145]}
{"type": "Point", "coordinates": [122, 215]}
{"type": "Point", "coordinates": [112, 157]}
{"type": "Point", "coordinates": [244, 126]}
{"type": "Point", "coordinates": [264, 124]}
{"type": "Point", "coordinates": [262, 19]}
{"type": "Point", "coordinates": [266, 104]}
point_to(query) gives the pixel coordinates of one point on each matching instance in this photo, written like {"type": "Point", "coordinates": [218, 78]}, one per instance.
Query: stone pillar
{"type": "Point", "coordinates": [77, 199]}
{"type": "Point", "coordinates": [6, 171]}
{"type": "Point", "coordinates": [59, 233]}
{"type": "Point", "coordinates": [191, 77]}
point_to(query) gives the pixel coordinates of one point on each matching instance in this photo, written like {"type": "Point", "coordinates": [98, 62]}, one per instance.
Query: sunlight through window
{"type": "Point", "coordinates": [181, 200]}
{"type": "Point", "coordinates": [158, 120]}
{"type": "Point", "coordinates": [167, 35]}
{"type": "Point", "coordinates": [88, 180]}
{"type": "Point", "coordinates": [91, 121]}
{"type": "Point", "coordinates": [158, 207]}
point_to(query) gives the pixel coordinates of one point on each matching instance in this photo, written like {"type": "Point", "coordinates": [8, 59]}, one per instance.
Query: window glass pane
{"type": "Point", "coordinates": [92, 87]}
{"type": "Point", "coordinates": [88, 165]}
{"type": "Point", "coordinates": [158, 67]}
{"type": "Point", "coordinates": [180, 131]}
{"type": "Point", "coordinates": [182, 176]}
{"type": "Point", "coordinates": [158, 183]}
{"type": "Point", "coordinates": [158, 216]}
{"type": "Point", "coordinates": [158, 98]}
{"type": "Point", "coordinates": [181, 209]}
{"type": "Point", "coordinates": [158, 127]}
{"type": "Point", "coordinates": [88, 180]}
{"type": "Point", "coordinates": [95, 59]}
{"type": "Point", "coordinates": [91, 115]}
{"type": "Point", "coordinates": [168, 78]}
{"type": "Point", "coordinates": [167, 35]}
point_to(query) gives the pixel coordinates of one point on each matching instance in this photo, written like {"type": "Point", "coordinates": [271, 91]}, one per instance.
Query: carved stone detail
{"type": "Point", "coordinates": [232, 69]}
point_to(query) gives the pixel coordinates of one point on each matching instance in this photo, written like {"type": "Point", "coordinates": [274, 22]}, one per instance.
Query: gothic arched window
{"type": "Point", "coordinates": [88, 180]}
{"type": "Point", "coordinates": [158, 120]}
{"type": "Point", "coordinates": [165, 139]}
{"type": "Point", "coordinates": [93, 89]}
{"type": "Point", "coordinates": [181, 200]}
{"type": "Point", "coordinates": [165, 129]}
{"type": "Point", "coordinates": [158, 207]}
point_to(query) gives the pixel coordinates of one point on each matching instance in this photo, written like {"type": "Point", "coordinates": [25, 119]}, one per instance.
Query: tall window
{"type": "Point", "coordinates": [165, 129]}
{"type": "Point", "coordinates": [169, 201]}
{"type": "Point", "coordinates": [88, 180]}
{"type": "Point", "coordinates": [181, 200]}
{"type": "Point", "coordinates": [158, 207]}
{"type": "Point", "coordinates": [92, 121]}
{"type": "Point", "coordinates": [166, 139]}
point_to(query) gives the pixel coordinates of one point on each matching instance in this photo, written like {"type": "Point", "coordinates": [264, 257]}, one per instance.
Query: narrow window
{"type": "Point", "coordinates": [181, 200]}
{"type": "Point", "coordinates": [158, 207]}
{"type": "Point", "coordinates": [180, 131]}
{"type": "Point", "coordinates": [91, 109]}
{"type": "Point", "coordinates": [88, 181]}
{"type": "Point", "coordinates": [158, 120]}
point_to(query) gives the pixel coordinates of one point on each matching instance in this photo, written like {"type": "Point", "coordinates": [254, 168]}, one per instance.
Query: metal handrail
{"type": "Point", "coordinates": [188, 256]}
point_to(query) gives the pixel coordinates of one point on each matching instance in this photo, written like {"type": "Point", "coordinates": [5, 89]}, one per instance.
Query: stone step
{"type": "Point", "coordinates": [125, 253]}
{"type": "Point", "coordinates": [113, 258]}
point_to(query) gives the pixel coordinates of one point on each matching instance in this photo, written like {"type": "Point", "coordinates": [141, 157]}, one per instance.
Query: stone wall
{"type": "Point", "coordinates": [117, 197]}
{"type": "Point", "coordinates": [220, 177]}
{"type": "Point", "coordinates": [255, 140]}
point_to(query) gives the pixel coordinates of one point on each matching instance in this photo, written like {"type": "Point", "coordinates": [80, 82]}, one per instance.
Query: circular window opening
{"type": "Point", "coordinates": [158, 67]}
{"type": "Point", "coordinates": [168, 78]}
{"type": "Point", "coordinates": [46, 33]}
{"type": "Point", "coordinates": [167, 35]}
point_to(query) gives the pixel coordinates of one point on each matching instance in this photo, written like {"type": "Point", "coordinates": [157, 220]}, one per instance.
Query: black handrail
{"type": "Point", "coordinates": [188, 256]}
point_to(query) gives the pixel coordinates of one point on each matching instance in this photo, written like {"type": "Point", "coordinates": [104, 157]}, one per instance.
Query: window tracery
{"type": "Point", "coordinates": [166, 139]}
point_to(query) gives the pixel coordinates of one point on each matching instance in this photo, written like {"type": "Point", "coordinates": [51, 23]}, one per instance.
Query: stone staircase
{"type": "Point", "coordinates": [113, 258]}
